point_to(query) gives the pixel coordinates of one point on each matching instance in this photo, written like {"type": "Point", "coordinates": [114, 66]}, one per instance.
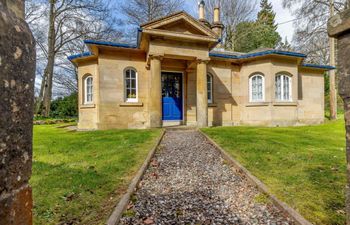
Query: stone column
{"type": "Point", "coordinates": [155, 101]}
{"type": "Point", "coordinates": [17, 73]}
{"type": "Point", "coordinates": [339, 27]}
{"type": "Point", "coordinates": [202, 93]}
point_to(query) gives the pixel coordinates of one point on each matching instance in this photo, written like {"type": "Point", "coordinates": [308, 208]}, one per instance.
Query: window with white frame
{"type": "Point", "coordinates": [210, 88]}
{"type": "Point", "coordinates": [283, 87]}
{"type": "Point", "coordinates": [130, 78]}
{"type": "Point", "coordinates": [257, 88]}
{"type": "Point", "coordinates": [88, 90]}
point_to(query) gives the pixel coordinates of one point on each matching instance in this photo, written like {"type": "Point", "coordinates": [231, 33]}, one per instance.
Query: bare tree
{"type": "Point", "coordinates": [233, 12]}
{"type": "Point", "coordinates": [311, 26]}
{"type": "Point", "coordinates": [59, 27]}
{"type": "Point", "coordinates": [141, 11]}
{"type": "Point", "coordinates": [311, 35]}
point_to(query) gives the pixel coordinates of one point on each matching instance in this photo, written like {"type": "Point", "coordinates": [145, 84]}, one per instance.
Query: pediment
{"type": "Point", "coordinates": [180, 23]}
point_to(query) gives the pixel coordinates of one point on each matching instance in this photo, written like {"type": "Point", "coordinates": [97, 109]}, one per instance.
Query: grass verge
{"type": "Point", "coordinates": [303, 166]}
{"type": "Point", "coordinates": [78, 177]}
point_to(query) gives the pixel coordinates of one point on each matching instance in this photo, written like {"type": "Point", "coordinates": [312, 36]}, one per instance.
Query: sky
{"type": "Point", "coordinates": [282, 16]}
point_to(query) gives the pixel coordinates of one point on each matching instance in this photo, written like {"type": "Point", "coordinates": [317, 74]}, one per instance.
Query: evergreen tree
{"type": "Point", "coordinates": [266, 15]}
{"type": "Point", "coordinates": [261, 33]}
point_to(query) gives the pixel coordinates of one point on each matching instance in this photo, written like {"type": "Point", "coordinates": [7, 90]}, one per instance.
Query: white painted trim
{"type": "Point", "coordinates": [211, 100]}
{"type": "Point", "coordinates": [250, 92]}
{"type": "Point", "coordinates": [290, 99]}
{"type": "Point", "coordinates": [86, 102]}
{"type": "Point", "coordinates": [183, 93]}
{"type": "Point", "coordinates": [126, 99]}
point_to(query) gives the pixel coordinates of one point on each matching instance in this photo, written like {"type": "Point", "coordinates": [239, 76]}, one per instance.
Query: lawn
{"type": "Point", "coordinates": [78, 177]}
{"type": "Point", "coordinates": [303, 166]}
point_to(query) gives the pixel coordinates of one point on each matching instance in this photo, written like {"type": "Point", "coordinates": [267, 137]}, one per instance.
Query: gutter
{"type": "Point", "coordinates": [252, 55]}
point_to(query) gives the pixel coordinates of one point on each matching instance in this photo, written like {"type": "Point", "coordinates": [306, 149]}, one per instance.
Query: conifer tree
{"type": "Point", "coordinates": [261, 33]}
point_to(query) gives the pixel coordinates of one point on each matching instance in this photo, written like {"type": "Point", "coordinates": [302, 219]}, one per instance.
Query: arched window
{"type": "Point", "coordinates": [257, 88]}
{"type": "Point", "coordinates": [283, 87]}
{"type": "Point", "coordinates": [210, 87]}
{"type": "Point", "coordinates": [88, 89]}
{"type": "Point", "coordinates": [130, 77]}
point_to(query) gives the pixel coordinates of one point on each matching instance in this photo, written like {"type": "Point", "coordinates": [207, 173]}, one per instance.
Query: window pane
{"type": "Point", "coordinates": [130, 84]}
{"type": "Point", "coordinates": [88, 89]}
{"type": "Point", "coordinates": [257, 86]}
{"type": "Point", "coordinates": [286, 88]}
{"type": "Point", "coordinates": [209, 88]}
{"type": "Point", "coordinates": [128, 93]}
{"type": "Point", "coordinates": [133, 83]}
{"type": "Point", "coordinates": [278, 90]}
{"type": "Point", "coordinates": [133, 74]}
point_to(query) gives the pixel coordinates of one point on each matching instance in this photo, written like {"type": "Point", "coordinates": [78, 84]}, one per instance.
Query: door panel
{"type": "Point", "coordinates": [172, 96]}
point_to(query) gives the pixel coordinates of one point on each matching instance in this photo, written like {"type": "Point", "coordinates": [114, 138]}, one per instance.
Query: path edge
{"type": "Point", "coordinates": [124, 201]}
{"type": "Point", "coordinates": [292, 213]}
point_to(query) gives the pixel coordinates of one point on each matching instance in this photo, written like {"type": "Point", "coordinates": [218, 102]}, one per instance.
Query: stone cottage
{"type": "Point", "coordinates": [178, 74]}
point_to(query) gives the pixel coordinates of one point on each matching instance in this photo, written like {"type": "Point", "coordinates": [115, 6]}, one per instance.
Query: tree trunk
{"type": "Point", "coordinates": [339, 27]}
{"type": "Point", "coordinates": [332, 79]}
{"type": "Point", "coordinates": [344, 91]}
{"type": "Point", "coordinates": [17, 73]}
{"type": "Point", "coordinates": [48, 75]}
{"type": "Point", "coordinates": [347, 126]}
{"type": "Point", "coordinates": [39, 102]}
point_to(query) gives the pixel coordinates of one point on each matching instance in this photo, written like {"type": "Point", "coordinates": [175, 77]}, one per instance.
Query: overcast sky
{"type": "Point", "coordinates": [283, 15]}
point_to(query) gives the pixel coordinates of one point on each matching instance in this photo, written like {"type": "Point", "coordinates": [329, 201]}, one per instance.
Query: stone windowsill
{"type": "Point", "coordinates": [131, 104]}
{"type": "Point", "coordinates": [87, 106]}
{"type": "Point", "coordinates": [212, 105]}
{"type": "Point", "coordinates": [257, 104]}
{"type": "Point", "coordinates": [285, 104]}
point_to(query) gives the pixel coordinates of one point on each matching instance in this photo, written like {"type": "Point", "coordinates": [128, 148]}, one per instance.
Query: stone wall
{"type": "Point", "coordinates": [231, 104]}
{"type": "Point", "coordinates": [17, 69]}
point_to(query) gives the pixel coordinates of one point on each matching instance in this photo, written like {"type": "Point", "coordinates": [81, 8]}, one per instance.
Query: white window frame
{"type": "Point", "coordinates": [86, 101]}
{"type": "Point", "coordinates": [290, 96]}
{"type": "Point", "coordinates": [251, 88]}
{"type": "Point", "coordinates": [210, 96]}
{"type": "Point", "coordinates": [125, 88]}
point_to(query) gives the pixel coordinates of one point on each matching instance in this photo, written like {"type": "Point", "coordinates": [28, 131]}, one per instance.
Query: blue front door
{"type": "Point", "coordinates": [172, 96]}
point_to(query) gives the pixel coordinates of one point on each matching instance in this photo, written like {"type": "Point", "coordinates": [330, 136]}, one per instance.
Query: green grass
{"type": "Point", "coordinates": [303, 166]}
{"type": "Point", "coordinates": [78, 177]}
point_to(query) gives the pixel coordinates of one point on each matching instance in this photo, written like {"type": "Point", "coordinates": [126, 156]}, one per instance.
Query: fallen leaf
{"type": "Point", "coordinates": [148, 221]}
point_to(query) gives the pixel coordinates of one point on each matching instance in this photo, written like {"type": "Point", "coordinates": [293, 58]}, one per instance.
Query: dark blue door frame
{"type": "Point", "coordinates": [172, 96]}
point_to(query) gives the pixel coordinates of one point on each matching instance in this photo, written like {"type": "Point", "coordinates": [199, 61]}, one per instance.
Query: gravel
{"type": "Point", "coordinates": [188, 182]}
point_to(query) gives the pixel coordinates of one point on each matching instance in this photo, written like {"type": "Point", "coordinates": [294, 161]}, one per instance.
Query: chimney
{"type": "Point", "coordinates": [202, 14]}
{"type": "Point", "coordinates": [217, 26]}
{"type": "Point", "coordinates": [202, 10]}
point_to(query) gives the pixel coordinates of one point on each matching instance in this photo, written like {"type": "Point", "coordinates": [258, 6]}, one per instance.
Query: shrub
{"type": "Point", "coordinates": [65, 107]}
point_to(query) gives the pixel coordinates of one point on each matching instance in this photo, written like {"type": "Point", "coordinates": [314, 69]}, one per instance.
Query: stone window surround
{"type": "Point", "coordinates": [85, 96]}
{"type": "Point", "coordinates": [250, 88]}
{"type": "Point", "coordinates": [290, 97]}
{"type": "Point", "coordinates": [126, 99]}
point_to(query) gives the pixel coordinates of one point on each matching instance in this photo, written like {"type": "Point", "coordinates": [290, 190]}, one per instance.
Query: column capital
{"type": "Point", "coordinates": [151, 57]}
{"type": "Point", "coordinates": [204, 60]}
{"type": "Point", "coordinates": [156, 56]}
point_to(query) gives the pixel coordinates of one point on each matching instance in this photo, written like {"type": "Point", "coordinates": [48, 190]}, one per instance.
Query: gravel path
{"type": "Point", "coordinates": [189, 183]}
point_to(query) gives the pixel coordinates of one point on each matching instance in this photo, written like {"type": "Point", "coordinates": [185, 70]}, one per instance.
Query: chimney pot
{"type": "Point", "coordinates": [216, 15]}
{"type": "Point", "coordinates": [201, 10]}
